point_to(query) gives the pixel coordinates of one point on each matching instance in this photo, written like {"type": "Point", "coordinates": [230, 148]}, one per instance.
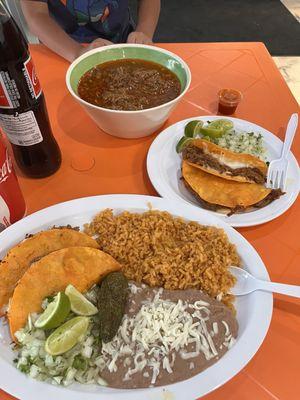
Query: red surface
{"type": "Point", "coordinates": [95, 163]}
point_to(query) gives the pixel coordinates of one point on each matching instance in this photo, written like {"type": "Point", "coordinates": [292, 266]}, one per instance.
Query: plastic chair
{"type": "Point", "coordinates": [16, 11]}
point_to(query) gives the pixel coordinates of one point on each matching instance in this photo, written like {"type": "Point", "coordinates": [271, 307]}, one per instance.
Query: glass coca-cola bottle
{"type": "Point", "coordinates": [23, 113]}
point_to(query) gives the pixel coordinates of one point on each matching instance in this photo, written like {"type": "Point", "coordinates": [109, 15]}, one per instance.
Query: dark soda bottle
{"type": "Point", "coordinates": [23, 113]}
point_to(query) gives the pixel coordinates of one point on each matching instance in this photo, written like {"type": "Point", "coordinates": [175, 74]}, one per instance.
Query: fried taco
{"type": "Point", "coordinates": [222, 162]}
{"type": "Point", "coordinates": [21, 256]}
{"type": "Point", "coordinates": [81, 267]}
{"type": "Point", "coordinates": [223, 195]}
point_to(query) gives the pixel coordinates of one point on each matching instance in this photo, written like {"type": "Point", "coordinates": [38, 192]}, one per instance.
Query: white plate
{"type": "Point", "coordinates": [253, 311]}
{"type": "Point", "coordinates": [164, 170]}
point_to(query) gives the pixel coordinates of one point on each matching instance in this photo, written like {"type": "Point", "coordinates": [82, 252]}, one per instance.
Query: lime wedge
{"type": "Point", "coordinates": [224, 124]}
{"type": "Point", "coordinates": [192, 128]}
{"type": "Point", "coordinates": [55, 313]}
{"type": "Point", "coordinates": [182, 143]}
{"type": "Point", "coordinates": [66, 336]}
{"type": "Point", "coordinates": [79, 304]}
{"type": "Point", "coordinates": [212, 132]}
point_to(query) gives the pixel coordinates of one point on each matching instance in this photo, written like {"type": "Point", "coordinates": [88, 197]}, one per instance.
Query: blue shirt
{"type": "Point", "coordinates": [87, 20]}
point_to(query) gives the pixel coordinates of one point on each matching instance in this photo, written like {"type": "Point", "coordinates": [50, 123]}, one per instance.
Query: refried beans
{"type": "Point", "coordinates": [166, 336]}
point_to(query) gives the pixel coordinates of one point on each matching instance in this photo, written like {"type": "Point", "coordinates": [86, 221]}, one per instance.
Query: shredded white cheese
{"type": "Point", "coordinates": [150, 337]}
{"type": "Point", "coordinates": [219, 296]}
{"type": "Point", "coordinates": [226, 327]}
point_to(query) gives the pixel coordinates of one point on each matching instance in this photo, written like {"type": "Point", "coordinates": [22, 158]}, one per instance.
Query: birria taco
{"type": "Point", "coordinates": [81, 267]}
{"type": "Point", "coordinates": [21, 256]}
{"type": "Point", "coordinates": [224, 163]}
{"type": "Point", "coordinates": [217, 194]}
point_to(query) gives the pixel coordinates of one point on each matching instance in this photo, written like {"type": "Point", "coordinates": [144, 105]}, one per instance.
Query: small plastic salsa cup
{"type": "Point", "coordinates": [228, 101]}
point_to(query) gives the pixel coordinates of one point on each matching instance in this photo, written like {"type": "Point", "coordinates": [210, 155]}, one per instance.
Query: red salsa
{"type": "Point", "coordinates": [228, 101]}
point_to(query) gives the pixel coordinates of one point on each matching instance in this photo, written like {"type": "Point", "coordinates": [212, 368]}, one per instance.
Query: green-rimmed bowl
{"type": "Point", "coordinates": [128, 124]}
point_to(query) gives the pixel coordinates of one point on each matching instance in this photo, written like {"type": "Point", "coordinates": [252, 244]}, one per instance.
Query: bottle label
{"type": "Point", "coordinates": [9, 94]}
{"type": "Point", "coordinates": [32, 79]}
{"type": "Point", "coordinates": [5, 171]}
{"type": "Point", "coordinates": [5, 168]}
{"type": "Point", "coordinates": [21, 129]}
{"type": "Point", "coordinates": [4, 214]}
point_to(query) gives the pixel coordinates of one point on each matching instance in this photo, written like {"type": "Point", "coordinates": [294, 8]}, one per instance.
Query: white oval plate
{"type": "Point", "coordinates": [254, 311]}
{"type": "Point", "coordinates": [164, 170]}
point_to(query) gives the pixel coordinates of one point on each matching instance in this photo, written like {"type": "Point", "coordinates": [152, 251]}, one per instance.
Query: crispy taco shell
{"type": "Point", "coordinates": [224, 163]}
{"type": "Point", "coordinates": [21, 256]}
{"type": "Point", "coordinates": [222, 192]}
{"type": "Point", "coordinates": [80, 266]}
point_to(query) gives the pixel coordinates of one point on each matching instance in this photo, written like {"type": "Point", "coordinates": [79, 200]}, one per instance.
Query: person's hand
{"type": "Point", "coordinates": [138, 37]}
{"type": "Point", "coordinates": [93, 45]}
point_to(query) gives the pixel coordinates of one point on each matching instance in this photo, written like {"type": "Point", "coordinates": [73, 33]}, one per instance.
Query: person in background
{"type": "Point", "coordinates": [64, 25]}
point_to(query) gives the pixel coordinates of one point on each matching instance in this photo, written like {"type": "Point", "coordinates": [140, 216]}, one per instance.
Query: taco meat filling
{"type": "Point", "coordinates": [273, 195]}
{"type": "Point", "coordinates": [197, 156]}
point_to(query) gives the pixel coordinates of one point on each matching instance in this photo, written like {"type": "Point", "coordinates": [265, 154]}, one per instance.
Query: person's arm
{"type": "Point", "coordinates": [51, 34]}
{"type": "Point", "coordinates": [148, 14]}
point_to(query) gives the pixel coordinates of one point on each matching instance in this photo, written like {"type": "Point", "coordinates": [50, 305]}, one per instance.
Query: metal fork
{"type": "Point", "coordinates": [277, 170]}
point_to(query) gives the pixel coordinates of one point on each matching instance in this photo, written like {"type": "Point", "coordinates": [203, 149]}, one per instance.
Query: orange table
{"type": "Point", "coordinates": [96, 163]}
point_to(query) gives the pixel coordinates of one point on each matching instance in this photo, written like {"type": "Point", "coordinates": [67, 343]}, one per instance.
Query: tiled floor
{"type": "Point", "coordinates": [290, 66]}
{"type": "Point", "coordinates": [293, 6]}
{"type": "Point", "coordinates": [290, 69]}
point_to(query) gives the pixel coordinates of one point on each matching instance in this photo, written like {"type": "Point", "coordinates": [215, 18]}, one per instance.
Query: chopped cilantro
{"type": "Point", "coordinates": [79, 363]}
{"type": "Point", "coordinates": [24, 368]}
{"type": "Point", "coordinates": [50, 299]}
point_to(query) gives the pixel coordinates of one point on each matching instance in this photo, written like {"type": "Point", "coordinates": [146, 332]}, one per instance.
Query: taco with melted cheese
{"type": "Point", "coordinates": [223, 195]}
{"type": "Point", "coordinates": [224, 163]}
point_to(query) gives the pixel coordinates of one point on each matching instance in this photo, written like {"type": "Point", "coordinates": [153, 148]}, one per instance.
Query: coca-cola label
{"type": "Point", "coordinates": [32, 79]}
{"type": "Point", "coordinates": [9, 94]}
{"type": "Point", "coordinates": [5, 168]}
{"type": "Point", "coordinates": [5, 101]}
{"type": "Point", "coordinates": [5, 171]}
{"type": "Point", "coordinates": [4, 214]}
